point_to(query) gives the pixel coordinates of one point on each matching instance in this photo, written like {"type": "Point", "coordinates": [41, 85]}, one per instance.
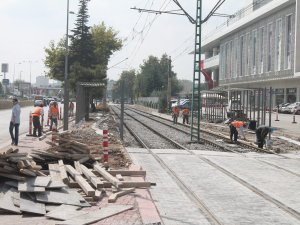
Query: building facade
{"type": "Point", "coordinates": [258, 47]}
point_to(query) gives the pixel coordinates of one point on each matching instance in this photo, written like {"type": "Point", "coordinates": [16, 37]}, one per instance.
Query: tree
{"type": "Point", "coordinates": [128, 79]}
{"type": "Point", "coordinates": [153, 77]}
{"type": "Point", "coordinates": [90, 50]}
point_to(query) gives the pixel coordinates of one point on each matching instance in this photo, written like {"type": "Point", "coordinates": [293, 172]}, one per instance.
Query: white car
{"type": "Point", "coordinates": [294, 108]}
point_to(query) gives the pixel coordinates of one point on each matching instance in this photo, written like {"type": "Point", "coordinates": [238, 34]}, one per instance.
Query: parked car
{"type": "Point", "coordinates": [280, 106]}
{"type": "Point", "coordinates": [294, 108]}
{"type": "Point", "coordinates": [39, 103]}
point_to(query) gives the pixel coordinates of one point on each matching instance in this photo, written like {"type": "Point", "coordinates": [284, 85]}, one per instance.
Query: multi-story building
{"type": "Point", "coordinates": [258, 47]}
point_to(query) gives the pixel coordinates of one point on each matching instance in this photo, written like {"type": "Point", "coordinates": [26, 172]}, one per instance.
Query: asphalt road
{"type": "Point", "coordinates": [5, 116]}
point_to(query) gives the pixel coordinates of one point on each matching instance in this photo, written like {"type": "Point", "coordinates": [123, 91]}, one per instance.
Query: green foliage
{"type": "Point", "coordinates": [128, 79]}
{"type": "Point", "coordinates": [90, 50]}
{"type": "Point", "coordinates": [153, 77]}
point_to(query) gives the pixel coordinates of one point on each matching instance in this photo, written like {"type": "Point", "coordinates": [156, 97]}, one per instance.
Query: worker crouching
{"type": "Point", "coordinates": [233, 129]}
{"type": "Point", "coordinates": [261, 134]}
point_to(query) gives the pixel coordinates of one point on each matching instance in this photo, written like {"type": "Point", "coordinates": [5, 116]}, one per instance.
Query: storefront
{"type": "Point", "coordinates": [291, 95]}
{"type": "Point", "coordinates": [279, 96]}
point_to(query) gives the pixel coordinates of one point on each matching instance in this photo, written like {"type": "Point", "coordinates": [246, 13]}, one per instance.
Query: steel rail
{"type": "Point", "coordinates": [259, 192]}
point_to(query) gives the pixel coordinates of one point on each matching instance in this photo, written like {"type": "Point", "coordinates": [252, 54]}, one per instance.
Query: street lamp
{"type": "Point", "coordinates": [30, 62]}
{"type": "Point", "coordinates": [66, 84]}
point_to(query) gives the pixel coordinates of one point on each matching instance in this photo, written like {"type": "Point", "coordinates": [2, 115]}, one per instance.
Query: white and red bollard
{"type": "Point", "coordinates": [105, 145]}
{"type": "Point", "coordinates": [294, 118]}
{"type": "Point", "coordinates": [277, 115]}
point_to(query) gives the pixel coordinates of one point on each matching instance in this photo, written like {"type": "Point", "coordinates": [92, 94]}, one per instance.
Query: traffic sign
{"type": "Point", "coordinates": [5, 81]}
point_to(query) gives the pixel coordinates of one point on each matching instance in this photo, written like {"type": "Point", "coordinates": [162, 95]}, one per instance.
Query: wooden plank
{"type": "Point", "coordinates": [11, 176]}
{"type": "Point", "coordinates": [65, 212]}
{"type": "Point", "coordinates": [77, 167]}
{"type": "Point", "coordinates": [28, 172]}
{"type": "Point", "coordinates": [6, 202]}
{"type": "Point", "coordinates": [91, 177]}
{"type": "Point", "coordinates": [5, 156]}
{"type": "Point", "coordinates": [113, 197]}
{"type": "Point", "coordinates": [28, 205]}
{"type": "Point", "coordinates": [63, 173]}
{"type": "Point", "coordinates": [56, 181]}
{"type": "Point", "coordinates": [99, 195]}
{"type": "Point", "coordinates": [107, 176]}
{"type": "Point", "coordinates": [41, 181]}
{"type": "Point", "coordinates": [88, 190]}
{"type": "Point", "coordinates": [97, 215]}
{"type": "Point", "coordinates": [130, 184]}
{"type": "Point", "coordinates": [127, 172]}
{"type": "Point", "coordinates": [27, 186]}
{"type": "Point", "coordinates": [119, 177]}
{"type": "Point", "coordinates": [84, 159]}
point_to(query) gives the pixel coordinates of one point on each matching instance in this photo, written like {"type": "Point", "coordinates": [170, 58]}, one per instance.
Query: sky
{"type": "Point", "coordinates": [28, 26]}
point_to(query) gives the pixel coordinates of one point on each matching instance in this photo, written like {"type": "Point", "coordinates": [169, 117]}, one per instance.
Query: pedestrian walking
{"type": "Point", "coordinates": [175, 114]}
{"type": "Point", "coordinates": [261, 134]}
{"type": "Point", "coordinates": [15, 122]}
{"type": "Point", "coordinates": [71, 108]}
{"type": "Point", "coordinates": [185, 115]}
{"type": "Point", "coordinates": [233, 130]}
{"type": "Point", "coordinates": [37, 113]}
{"type": "Point", "coordinates": [53, 114]}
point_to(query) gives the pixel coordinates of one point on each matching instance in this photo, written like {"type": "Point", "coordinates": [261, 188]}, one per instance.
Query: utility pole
{"type": "Point", "coordinates": [66, 82]}
{"type": "Point", "coordinates": [122, 110]}
{"type": "Point", "coordinates": [169, 83]}
{"type": "Point", "coordinates": [196, 94]}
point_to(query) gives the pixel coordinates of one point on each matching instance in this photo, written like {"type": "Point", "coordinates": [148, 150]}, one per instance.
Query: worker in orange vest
{"type": "Point", "coordinates": [53, 114]}
{"type": "Point", "coordinates": [37, 113]}
{"type": "Point", "coordinates": [233, 129]}
{"type": "Point", "coordinates": [185, 115]}
{"type": "Point", "coordinates": [175, 114]}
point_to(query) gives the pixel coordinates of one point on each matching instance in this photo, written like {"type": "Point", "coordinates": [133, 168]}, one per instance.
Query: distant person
{"type": "Point", "coordinates": [71, 108]}
{"type": "Point", "coordinates": [93, 106]}
{"type": "Point", "coordinates": [185, 115]}
{"type": "Point", "coordinates": [15, 122]}
{"type": "Point", "coordinates": [261, 134]}
{"type": "Point", "coordinates": [53, 114]}
{"type": "Point", "coordinates": [175, 114]}
{"type": "Point", "coordinates": [37, 113]}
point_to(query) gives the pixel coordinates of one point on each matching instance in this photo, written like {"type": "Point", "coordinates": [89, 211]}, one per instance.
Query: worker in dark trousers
{"type": "Point", "coordinates": [185, 115]}
{"type": "Point", "coordinates": [37, 113]}
{"type": "Point", "coordinates": [261, 134]}
{"type": "Point", "coordinates": [233, 129]}
{"type": "Point", "coordinates": [175, 114]}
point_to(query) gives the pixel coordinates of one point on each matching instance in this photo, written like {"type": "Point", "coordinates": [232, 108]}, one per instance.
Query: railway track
{"type": "Point", "coordinates": [189, 192]}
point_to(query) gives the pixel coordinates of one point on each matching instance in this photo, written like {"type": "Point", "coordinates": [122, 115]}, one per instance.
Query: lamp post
{"type": "Point", "coordinates": [30, 63]}
{"type": "Point", "coordinates": [66, 84]}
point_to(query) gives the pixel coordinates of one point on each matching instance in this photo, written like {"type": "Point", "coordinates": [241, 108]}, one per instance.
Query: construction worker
{"type": "Point", "coordinates": [53, 114]}
{"type": "Point", "coordinates": [233, 129]}
{"type": "Point", "coordinates": [185, 115]}
{"type": "Point", "coordinates": [37, 113]}
{"type": "Point", "coordinates": [175, 114]}
{"type": "Point", "coordinates": [261, 134]}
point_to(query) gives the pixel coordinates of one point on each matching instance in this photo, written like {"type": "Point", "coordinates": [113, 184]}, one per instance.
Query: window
{"type": "Point", "coordinates": [261, 49]}
{"type": "Point", "coordinates": [278, 44]}
{"type": "Point", "coordinates": [226, 60]}
{"type": "Point", "coordinates": [236, 56]}
{"type": "Point", "coordinates": [222, 63]}
{"type": "Point", "coordinates": [254, 50]}
{"type": "Point", "coordinates": [242, 44]}
{"type": "Point", "coordinates": [270, 44]}
{"type": "Point", "coordinates": [288, 57]}
{"type": "Point", "coordinates": [248, 53]}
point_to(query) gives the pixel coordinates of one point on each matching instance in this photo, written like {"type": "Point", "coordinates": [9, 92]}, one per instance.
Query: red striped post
{"type": "Point", "coordinates": [105, 145]}
{"type": "Point", "coordinates": [30, 124]}
{"type": "Point", "coordinates": [277, 114]}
